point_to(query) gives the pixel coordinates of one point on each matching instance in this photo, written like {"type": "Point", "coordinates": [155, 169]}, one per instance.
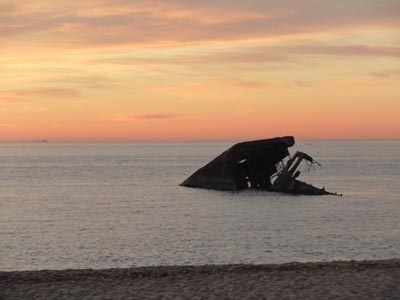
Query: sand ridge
{"type": "Point", "coordinates": [323, 280]}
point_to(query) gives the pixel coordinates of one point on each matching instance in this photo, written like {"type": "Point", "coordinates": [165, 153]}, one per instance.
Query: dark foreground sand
{"type": "Point", "coordinates": [369, 280]}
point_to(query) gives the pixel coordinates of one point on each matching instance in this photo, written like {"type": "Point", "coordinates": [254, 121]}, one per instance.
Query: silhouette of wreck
{"type": "Point", "coordinates": [257, 165]}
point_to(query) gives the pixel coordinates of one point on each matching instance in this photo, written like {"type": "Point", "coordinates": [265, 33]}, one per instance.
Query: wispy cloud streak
{"type": "Point", "coordinates": [256, 55]}
{"type": "Point", "coordinates": [127, 118]}
{"type": "Point", "coordinates": [105, 23]}
{"type": "Point", "coordinates": [12, 96]}
{"type": "Point", "coordinates": [388, 74]}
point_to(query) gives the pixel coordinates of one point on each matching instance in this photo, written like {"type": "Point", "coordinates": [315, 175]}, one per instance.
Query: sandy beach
{"type": "Point", "coordinates": [332, 280]}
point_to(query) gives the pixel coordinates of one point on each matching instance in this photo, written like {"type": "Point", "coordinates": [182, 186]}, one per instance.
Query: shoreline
{"type": "Point", "coordinates": [374, 279]}
{"type": "Point", "coordinates": [164, 271]}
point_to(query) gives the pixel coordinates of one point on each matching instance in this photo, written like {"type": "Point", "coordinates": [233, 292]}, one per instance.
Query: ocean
{"type": "Point", "coordinates": [103, 205]}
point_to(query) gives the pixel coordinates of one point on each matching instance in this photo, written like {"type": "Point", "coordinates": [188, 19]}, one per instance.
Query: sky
{"type": "Point", "coordinates": [119, 70]}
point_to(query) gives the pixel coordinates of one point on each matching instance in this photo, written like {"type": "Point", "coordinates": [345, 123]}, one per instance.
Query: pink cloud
{"type": "Point", "coordinates": [127, 118]}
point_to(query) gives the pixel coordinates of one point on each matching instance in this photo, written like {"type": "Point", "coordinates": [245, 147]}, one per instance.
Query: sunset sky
{"type": "Point", "coordinates": [199, 70]}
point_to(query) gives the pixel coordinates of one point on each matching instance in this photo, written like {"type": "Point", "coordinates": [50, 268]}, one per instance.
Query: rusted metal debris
{"type": "Point", "coordinates": [255, 165]}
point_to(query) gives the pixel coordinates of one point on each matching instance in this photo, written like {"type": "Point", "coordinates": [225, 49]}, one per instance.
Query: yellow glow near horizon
{"type": "Point", "coordinates": [167, 70]}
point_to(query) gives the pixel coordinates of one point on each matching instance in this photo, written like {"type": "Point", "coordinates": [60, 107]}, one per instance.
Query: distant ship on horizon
{"type": "Point", "coordinates": [40, 141]}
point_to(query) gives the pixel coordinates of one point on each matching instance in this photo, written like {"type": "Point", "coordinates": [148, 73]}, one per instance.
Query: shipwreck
{"type": "Point", "coordinates": [262, 164]}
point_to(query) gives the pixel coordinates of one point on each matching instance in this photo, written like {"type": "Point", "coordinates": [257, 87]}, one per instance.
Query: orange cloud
{"type": "Point", "coordinates": [6, 125]}
{"type": "Point", "coordinates": [8, 97]}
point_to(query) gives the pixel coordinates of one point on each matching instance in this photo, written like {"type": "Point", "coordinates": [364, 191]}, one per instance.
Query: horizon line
{"type": "Point", "coordinates": [189, 140]}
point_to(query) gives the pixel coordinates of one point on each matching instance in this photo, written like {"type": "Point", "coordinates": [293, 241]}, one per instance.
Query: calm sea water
{"type": "Point", "coordinates": [100, 205]}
